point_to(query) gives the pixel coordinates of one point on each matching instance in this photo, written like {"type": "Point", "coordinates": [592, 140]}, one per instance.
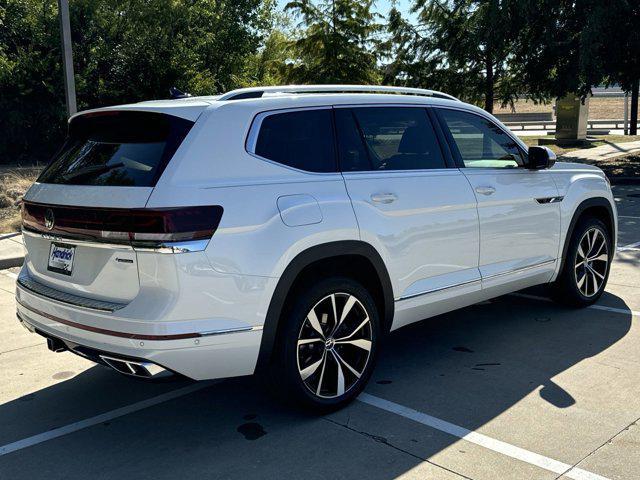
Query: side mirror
{"type": "Point", "coordinates": [540, 158]}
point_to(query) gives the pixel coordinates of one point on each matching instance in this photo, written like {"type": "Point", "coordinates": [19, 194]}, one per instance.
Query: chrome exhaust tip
{"type": "Point", "coordinates": [136, 368]}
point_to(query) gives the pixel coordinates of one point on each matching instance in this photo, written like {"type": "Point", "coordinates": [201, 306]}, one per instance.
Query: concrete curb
{"type": "Point", "coordinates": [11, 250]}
{"type": "Point", "coordinates": [11, 262]}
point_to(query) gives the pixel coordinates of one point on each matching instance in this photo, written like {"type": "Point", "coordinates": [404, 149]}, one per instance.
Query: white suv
{"type": "Point", "coordinates": [289, 229]}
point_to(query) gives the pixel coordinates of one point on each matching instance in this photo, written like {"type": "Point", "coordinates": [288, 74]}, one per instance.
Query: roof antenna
{"type": "Point", "coordinates": [175, 93]}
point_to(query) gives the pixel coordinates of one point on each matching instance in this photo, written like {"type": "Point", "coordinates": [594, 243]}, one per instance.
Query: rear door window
{"type": "Point", "coordinates": [387, 138]}
{"type": "Point", "coordinates": [301, 139]}
{"type": "Point", "coordinates": [117, 149]}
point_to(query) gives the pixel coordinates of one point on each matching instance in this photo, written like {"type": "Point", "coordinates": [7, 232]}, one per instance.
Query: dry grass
{"type": "Point", "coordinates": [596, 141]}
{"type": "Point", "coordinates": [600, 108]}
{"type": "Point", "coordinates": [14, 182]}
{"type": "Point", "coordinates": [624, 166]}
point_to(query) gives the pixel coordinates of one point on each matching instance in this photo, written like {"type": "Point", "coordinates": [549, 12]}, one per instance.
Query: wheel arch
{"type": "Point", "coordinates": [340, 257]}
{"type": "Point", "coordinates": [598, 207]}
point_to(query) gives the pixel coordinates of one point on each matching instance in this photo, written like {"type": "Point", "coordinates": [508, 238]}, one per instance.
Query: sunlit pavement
{"type": "Point", "coordinates": [536, 391]}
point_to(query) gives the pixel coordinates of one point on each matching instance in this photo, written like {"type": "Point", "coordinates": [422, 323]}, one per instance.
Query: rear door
{"type": "Point", "coordinates": [519, 209]}
{"type": "Point", "coordinates": [108, 165]}
{"type": "Point", "coordinates": [419, 213]}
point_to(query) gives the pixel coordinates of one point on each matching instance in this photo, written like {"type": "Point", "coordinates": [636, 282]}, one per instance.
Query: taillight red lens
{"type": "Point", "coordinates": [138, 226]}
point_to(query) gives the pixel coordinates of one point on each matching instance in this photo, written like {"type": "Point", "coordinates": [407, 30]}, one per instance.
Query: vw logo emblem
{"type": "Point", "coordinates": [49, 219]}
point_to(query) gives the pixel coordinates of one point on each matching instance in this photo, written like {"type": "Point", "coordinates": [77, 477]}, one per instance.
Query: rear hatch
{"type": "Point", "coordinates": [79, 218]}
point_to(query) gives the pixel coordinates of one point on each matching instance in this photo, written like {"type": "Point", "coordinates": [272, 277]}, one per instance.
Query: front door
{"type": "Point", "coordinates": [519, 209]}
{"type": "Point", "coordinates": [419, 213]}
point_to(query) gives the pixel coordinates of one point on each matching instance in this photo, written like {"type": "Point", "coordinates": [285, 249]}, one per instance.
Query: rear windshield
{"type": "Point", "coordinates": [117, 149]}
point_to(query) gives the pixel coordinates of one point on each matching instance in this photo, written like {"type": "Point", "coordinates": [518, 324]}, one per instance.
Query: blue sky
{"type": "Point", "coordinates": [382, 6]}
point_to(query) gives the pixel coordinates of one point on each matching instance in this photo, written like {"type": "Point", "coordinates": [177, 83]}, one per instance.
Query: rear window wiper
{"type": "Point", "coordinates": [92, 170]}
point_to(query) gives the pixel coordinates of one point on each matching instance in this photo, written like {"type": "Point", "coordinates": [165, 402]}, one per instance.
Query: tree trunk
{"type": "Point", "coordinates": [633, 127]}
{"type": "Point", "coordinates": [488, 92]}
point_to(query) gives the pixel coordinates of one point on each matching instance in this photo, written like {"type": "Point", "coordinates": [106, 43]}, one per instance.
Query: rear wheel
{"type": "Point", "coordinates": [586, 267]}
{"type": "Point", "coordinates": [328, 344]}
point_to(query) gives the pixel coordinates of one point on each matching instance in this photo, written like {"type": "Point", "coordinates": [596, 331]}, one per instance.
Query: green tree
{"type": "Point", "coordinates": [461, 46]}
{"type": "Point", "coordinates": [337, 42]}
{"type": "Point", "coordinates": [569, 47]}
{"type": "Point", "coordinates": [124, 51]}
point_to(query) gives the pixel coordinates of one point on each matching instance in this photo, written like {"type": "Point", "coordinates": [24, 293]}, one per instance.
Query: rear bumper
{"type": "Point", "coordinates": [174, 346]}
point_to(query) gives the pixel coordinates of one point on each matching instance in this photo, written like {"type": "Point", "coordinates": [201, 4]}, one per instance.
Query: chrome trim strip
{"type": "Point", "coordinates": [515, 270]}
{"type": "Point", "coordinates": [434, 290]}
{"type": "Point", "coordinates": [176, 247]}
{"type": "Point", "coordinates": [36, 288]}
{"type": "Point", "coordinates": [165, 247]}
{"type": "Point", "coordinates": [546, 200]}
{"type": "Point", "coordinates": [231, 330]}
{"type": "Point", "coordinates": [76, 241]}
{"type": "Point", "coordinates": [519, 269]}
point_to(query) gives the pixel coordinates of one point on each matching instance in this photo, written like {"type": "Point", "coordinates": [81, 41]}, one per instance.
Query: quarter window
{"type": "Point", "coordinates": [387, 138]}
{"type": "Point", "coordinates": [480, 142]}
{"type": "Point", "coordinates": [301, 139]}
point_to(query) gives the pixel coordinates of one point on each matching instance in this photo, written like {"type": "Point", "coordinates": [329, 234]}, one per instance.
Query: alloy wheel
{"type": "Point", "coordinates": [592, 261]}
{"type": "Point", "coordinates": [334, 345]}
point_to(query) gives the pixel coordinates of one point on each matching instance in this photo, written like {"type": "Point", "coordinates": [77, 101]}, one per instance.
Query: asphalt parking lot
{"type": "Point", "coordinates": [515, 388]}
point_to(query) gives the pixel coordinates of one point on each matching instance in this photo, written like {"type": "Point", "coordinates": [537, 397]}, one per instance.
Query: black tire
{"type": "Point", "coordinates": [293, 360]}
{"type": "Point", "coordinates": [576, 286]}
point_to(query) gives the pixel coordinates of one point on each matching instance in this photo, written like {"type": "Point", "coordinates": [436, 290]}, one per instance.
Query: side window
{"type": "Point", "coordinates": [479, 141]}
{"type": "Point", "coordinates": [387, 138]}
{"type": "Point", "coordinates": [302, 139]}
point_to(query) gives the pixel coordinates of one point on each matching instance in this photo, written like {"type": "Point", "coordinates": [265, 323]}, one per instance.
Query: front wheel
{"type": "Point", "coordinates": [586, 267]}
{"type": "Point", "coordinates": [328, 345]}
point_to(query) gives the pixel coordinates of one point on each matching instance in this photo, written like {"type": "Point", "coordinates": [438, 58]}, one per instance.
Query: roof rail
{"type": "Point", "coordinates": [257, 92]}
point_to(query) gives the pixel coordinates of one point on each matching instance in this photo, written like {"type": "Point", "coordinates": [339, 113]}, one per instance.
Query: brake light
{"type": "Point", "coordinates": [145, 227]}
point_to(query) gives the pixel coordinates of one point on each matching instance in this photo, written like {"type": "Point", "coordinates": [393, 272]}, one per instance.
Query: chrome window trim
{"type": "Point", "coordinates": [449, 171]}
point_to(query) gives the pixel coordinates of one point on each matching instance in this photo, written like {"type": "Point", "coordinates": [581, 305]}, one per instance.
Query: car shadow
{"type": "Point", "coordinates": [466, 367]}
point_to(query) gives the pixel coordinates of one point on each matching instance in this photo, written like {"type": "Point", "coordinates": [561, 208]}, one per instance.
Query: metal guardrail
{"type": "Point", "coordinates": [591, 124]}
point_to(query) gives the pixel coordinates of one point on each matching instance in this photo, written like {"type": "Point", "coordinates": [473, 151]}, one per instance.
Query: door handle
{"type": "Point", "coordinates": [485, 190]}
{"type": "Point", "coordinates": [383, 197]}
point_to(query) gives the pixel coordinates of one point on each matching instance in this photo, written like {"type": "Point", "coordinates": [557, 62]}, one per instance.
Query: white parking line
{"type": "Point", "coordinates": [104, 417]}
{"type": "Point", "coordinates": [634, 313]}
{"type": "Point", "coordinates": [498, 446]}
{"type": "Point", "coordinates": [628, 216]}
{"type": "Point", "coordinates": [631, 246]}
{"type": "Point", "coordinates": [9, 274]}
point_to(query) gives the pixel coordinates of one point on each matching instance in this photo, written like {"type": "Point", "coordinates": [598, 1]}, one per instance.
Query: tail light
{"type": "Point", "coordinates": [140, 227]}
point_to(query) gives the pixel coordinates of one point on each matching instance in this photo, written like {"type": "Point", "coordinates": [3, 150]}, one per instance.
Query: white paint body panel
{"type": "Point", "coordinates": [516, 231]}
{"type": "Point", "coordinates": [437, 240]}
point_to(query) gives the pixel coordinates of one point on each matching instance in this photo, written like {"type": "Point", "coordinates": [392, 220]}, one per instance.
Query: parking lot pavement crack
{"type": "Point", "coordinates": [635, 422]}
{"type": "Point", "coordinates": [385, 441]}
{"type": "Point", "coordinates": [21, 348]}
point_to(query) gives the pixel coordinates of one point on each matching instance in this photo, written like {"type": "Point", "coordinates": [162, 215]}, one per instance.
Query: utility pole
{"type": "Point", "coordinates": [633, 128]}
{"type": "Point", "coordinates": [626, 113]}
{"type": "Point", "coordinates": [67, 57]}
